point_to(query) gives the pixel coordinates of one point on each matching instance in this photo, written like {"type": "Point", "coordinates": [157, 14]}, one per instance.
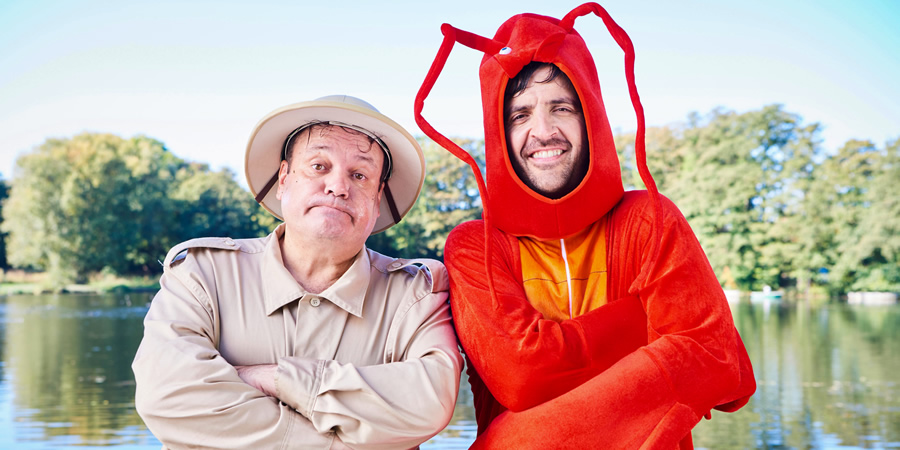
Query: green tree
{"type": "Point", "coordinates": [878, 248]}
{"type": "Point", "coordinates": [97, 201]}
{"type": "Point", "coordinates": [860, 184]}
{"type": "Point", "coordinates": [771, 207]}
{"type": "Point", "coordinates": [210, 203]}
{"type": "Point", "coordinates": [448, 198]}
{"type": "Point", "coordinates": [4, 193]}
{"type": "Point", "coordinates": [736, 177]}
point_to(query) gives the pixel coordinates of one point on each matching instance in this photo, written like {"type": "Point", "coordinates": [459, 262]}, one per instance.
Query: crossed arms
{"type": "Point", "coordinates": [643, 369]}
{"type": "Point", "coordinates": [189, 395]}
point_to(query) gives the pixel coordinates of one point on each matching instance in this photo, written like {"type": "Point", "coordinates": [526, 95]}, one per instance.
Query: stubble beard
{"type": "Point", "coordinates": [552, 181]}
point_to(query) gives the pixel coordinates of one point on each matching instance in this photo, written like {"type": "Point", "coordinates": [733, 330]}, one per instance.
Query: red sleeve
{"type": "Point", "coordinates": [654, 396]}
{"type": "Point", "coordinates": [693, 341]}
{"type": "Point", "coordinates": [522, 358]}
{"type": "Point", "coordinates": [649, 395]}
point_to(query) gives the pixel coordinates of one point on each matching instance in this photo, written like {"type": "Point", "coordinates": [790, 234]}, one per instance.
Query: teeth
{"type": "Point", "coordinates": [547, 153]}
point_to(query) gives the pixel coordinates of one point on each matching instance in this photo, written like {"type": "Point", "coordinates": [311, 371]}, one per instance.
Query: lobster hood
{"type": "Point", "coordinates": [508, 203]}
{"type": "Point", "coordinates": [517, 209]}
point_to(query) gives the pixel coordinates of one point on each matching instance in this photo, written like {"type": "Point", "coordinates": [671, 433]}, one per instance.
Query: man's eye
{"type": "Point", "coordinates": [318, 167]}
{"type": "Point", "coordinates": [359, 176]}
{"type": "Point", "coordinates": [517, 117]}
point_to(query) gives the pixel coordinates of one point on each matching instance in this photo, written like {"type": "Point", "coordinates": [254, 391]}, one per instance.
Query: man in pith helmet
{"type": "Point", "coordinates": [589, 316]}
{"type": "Point", "coordinates": [305, 338]}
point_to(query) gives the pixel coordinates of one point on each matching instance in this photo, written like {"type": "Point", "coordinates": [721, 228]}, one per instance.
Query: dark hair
{"type": "Point", "coordinates": [520, 81]}
{"type": "Point", "coordinates": [288, 147]}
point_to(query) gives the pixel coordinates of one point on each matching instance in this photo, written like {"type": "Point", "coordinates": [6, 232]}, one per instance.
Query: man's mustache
{"type": "Point", "coordinates": [536, 143]}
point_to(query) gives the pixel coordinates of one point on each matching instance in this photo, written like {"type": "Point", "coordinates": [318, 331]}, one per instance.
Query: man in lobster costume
{"type": "Point", "coordinates": [589, 316]}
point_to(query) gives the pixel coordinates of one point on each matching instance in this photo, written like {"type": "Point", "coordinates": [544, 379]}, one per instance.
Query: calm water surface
{"type": "Point", "coordinates": [828, 376]}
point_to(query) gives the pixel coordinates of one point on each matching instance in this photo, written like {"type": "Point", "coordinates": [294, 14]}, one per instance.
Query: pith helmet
{"type": "Point", "coordinates": [265, 151]}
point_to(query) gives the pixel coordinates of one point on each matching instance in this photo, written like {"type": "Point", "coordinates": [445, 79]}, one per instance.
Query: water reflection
{"type": "Point", "coordinates": [829, 377]}
{"type": "Point", "coordinates": [67, 370]}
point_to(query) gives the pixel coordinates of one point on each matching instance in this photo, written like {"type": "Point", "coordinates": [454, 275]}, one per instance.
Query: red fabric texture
{"type": "Point", "coordinates": [638, 372]}
{"type": "Point", "coordinates": [530, 37]}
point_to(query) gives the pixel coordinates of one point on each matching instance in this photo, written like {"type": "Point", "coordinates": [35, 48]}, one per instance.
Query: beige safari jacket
{"type": "Point", "coordinates": [371, 362]}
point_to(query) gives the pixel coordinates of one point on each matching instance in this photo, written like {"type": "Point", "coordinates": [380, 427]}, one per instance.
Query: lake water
{"type": "Point", "coordinates": [828, 376]}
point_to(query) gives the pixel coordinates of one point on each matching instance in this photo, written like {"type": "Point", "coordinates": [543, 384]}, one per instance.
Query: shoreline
{"type": "Point", "coordinates": [18, 282]}
{"type": "Point", "coordinates": [7, 289]}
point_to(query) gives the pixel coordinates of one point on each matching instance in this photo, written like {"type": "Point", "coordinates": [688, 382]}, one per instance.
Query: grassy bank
{"type": "Point", "coordinates": [22, 282]}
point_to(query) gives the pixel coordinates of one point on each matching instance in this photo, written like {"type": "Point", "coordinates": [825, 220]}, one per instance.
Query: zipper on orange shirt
{"type": "Point", "coordinates": [562, 244]}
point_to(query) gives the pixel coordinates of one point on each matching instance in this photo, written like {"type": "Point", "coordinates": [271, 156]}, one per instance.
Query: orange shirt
{"type": "Point", "coordinates": [544, 272]}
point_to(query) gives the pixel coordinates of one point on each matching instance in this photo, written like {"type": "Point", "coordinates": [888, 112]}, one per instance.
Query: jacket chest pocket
{"type": "Point", "coordinates": [260, 341]}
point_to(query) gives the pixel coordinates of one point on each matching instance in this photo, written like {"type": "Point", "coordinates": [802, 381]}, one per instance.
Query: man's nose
{"type": "Point", "coordinates": [337, 184]}
{"type": "Point", "coordinates": [544, 126]}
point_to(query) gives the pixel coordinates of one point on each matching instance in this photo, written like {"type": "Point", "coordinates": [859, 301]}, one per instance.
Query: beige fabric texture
{"type": "Point", "coordinates": [371, 362]}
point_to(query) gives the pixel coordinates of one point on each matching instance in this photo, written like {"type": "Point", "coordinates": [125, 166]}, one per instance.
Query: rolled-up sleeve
{"type": "Point", "coordinates": [399, 404]}
{"type": "Point", "coordinates": [190, 396]}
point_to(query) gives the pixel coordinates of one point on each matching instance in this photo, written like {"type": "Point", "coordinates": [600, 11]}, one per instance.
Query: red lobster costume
{"type": "Point", "coordinates": [637, 372]}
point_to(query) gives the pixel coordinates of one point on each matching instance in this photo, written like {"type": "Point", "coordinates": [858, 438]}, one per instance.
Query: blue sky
{"type": "Point", "coordinates": [198, 75]}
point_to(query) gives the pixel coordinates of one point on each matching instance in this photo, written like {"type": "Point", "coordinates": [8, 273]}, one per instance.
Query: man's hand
{"type": "Point", "coordinates": [262, 377]}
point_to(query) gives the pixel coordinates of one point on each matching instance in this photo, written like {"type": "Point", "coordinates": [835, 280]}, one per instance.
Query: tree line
{"type": "Point", "coordinates": [769, 205]}
{"type": "Point", "coordinates": [772, 208]}
{"type": "Point", "coordinates": [98, 202]}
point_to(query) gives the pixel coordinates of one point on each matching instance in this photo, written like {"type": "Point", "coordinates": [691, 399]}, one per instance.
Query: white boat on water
{"type": "Point", "coordinates": [871, 298]}
{"type": "Point", "coordinates": [767, 295]}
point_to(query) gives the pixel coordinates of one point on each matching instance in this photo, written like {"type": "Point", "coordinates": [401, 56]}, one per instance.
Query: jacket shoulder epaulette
{"type": "Point", "coordinates": [179, 252]}
{"type": "Point", "coordinates": [433, 270]}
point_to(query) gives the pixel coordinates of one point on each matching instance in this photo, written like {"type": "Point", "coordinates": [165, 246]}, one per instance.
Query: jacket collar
{"type": "Point", "coordinates": [280, 288]}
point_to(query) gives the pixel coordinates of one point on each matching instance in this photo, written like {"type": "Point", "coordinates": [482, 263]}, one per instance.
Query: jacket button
{"type": "Point", "coordinates": [315, 301]}
{"type": "Point", "coordinates": [229, 242]}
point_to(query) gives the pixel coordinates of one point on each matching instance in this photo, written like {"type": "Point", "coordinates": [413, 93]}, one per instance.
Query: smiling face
{"type": "Point", "coordinates": [546, 136]}
{"type": "Point", "coordinates": [329, 187]}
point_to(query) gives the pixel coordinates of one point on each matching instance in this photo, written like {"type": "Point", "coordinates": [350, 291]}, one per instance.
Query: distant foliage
{"type": "Point", "coordinates": [97, 201]}
{"type": "Point", "coordinates": [449, 197]}
{"type": "Point", "coordinates": [770, 207]}
{"type": "Point", "coordinates": [4, 193]}
{"type": "Point", "coordinates": [768, 204]}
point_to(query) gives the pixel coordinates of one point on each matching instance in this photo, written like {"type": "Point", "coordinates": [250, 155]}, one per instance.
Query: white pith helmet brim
{"type": "Point", "coordinates": [263, 157]}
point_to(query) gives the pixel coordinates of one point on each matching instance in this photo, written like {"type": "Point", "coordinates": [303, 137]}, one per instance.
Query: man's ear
{"type": "Point", "coordinates": [378, 200]}
{"type": "Point", "coordinates": [282, 175]}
